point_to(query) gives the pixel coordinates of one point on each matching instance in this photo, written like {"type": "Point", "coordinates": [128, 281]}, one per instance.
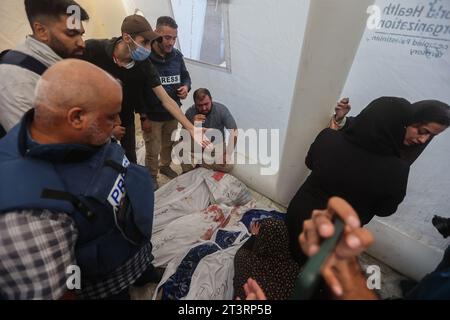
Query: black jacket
{"type": "Point", "coordinates": [361, 164]}
{"type": "Point", "coordinates": [173, 74]}
{"type": "Point", "coordinates": [135, 81]}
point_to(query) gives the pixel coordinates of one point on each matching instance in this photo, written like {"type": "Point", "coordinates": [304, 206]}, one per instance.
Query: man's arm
{"type": "Point", "coordinates": [186, 82]}
{"type": "Point", "coordinates": [172, 107]}
{"type": "Point", "coordinates": [176, 112]}
{"type": "Point", "coordinates": [16, 98]}
{"type": "Point", "coordinates": [37, 248]}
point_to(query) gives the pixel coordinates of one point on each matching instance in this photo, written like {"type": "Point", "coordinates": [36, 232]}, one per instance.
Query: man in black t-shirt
{"type": "Point", "coordinates": [126, 59]}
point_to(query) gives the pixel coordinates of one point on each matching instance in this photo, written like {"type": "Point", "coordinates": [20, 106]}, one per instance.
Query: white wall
{"type": "Point", "coordinates": [13, 24]}
{"type": "Point", "coordinates": [190, 41]}
{"type": "Point", "coordinates": [106, 20]}
{"type": "Point", "coordinates": [332, 37]}
{"type": "Point", "coordinates": [266, 40]}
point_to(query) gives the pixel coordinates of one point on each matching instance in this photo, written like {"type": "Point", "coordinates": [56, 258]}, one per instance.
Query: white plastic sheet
{"type": "Point", "coordinates": [193, 192]}
{"type": "Point", "coordinates": [213, 276]}
{"type": "Point", "coordinates": [182, 196]}
{"type": "Point", "coordinates": [183, 215]}
{"type": "Point", "coordinates": [185, 232]}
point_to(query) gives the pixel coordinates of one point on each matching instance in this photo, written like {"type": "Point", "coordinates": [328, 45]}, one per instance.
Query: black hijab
{"type": "Point", "coordinates": [425, 111]}
{"type": "Point", "coordinates": [381, 127]}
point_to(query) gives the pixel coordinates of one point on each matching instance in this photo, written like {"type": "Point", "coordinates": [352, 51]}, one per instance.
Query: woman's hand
{"type": "Point", "coordinates": [254, 228]}
{"type": "Point", "coordinates": [354, 241]}
{"type": "Point", "coordinates": [342, 109]}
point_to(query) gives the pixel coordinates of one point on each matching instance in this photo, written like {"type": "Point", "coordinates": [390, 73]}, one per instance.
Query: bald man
{"type": "Point", "coordinates": [74, 212]}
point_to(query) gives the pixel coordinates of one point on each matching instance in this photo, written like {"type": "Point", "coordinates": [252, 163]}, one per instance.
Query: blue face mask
{"type": "Point", "coordinates": [140, 53]}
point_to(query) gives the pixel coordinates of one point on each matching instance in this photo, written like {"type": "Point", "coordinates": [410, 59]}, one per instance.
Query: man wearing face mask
{"type": "Point", "coordinates": [126, 58]}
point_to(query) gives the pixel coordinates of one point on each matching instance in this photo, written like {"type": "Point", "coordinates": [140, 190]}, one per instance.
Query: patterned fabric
{"type": "Point", "coordinates": [120, 279]}
{"type": "Point", "coordinates": [178, 285]}
{"type": "Point", "coordinates": [225, 239]}
{"type": "Point", "coordinates": [36, 248]}
{"type": "Point", "coordinates": [266, 258]}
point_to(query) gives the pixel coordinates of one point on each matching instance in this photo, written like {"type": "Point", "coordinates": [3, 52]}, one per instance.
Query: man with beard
{"type": "Point", "coordinates": [69, 197]}
{"type": "Point", "coordinates": [215, 118]}
{"type": "Point", "coordinates": [57, 34]}
{"type": "Point", "coordinates": [157, 123]}
{"type": "Point", "coordinates": [126, 58]}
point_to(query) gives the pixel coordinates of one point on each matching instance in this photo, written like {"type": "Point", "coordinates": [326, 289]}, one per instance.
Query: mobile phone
{"type": "Point", "coordinates": [308, 279]}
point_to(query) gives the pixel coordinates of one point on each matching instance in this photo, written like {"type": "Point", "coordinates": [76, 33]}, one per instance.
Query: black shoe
{"type": "Point", "coordinates": [407, 285]}
{"type": "Point", "coordinates": [187, 168]}
{"type": "Point", "coordinates": [155, 183]}
{"type": "Point", "coordinates": [169, 172]}
{"type": "Point", "coordinates": [121, 296]}
{"type": "Point", "coordinates": [151, 275]}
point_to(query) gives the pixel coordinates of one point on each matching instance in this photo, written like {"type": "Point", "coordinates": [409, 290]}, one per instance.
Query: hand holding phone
{"type": "Point", "coordinates": [332, 236]}
{"type": "Point", "coordinates": [308, 278]}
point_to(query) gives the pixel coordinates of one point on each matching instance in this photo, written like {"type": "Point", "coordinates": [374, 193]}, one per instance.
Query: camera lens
{"type": "Point", "coordinates": [442, 225]}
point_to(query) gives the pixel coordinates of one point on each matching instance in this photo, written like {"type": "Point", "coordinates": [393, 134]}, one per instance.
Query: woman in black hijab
{"type": "Point", "coordinates": [367, 163]}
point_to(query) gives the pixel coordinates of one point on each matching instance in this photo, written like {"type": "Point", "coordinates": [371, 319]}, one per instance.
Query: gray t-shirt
{"type": "Point", "coordinates": [219, 118]}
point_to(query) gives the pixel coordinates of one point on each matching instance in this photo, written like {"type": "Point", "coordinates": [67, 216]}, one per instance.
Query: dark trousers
{"type": "Point", "coordinates": [121, 296]}
{"type": "Point", "coordinates": [128, 142]}
{"type": "Point", "coordinates": [151, 275]}
{"type": "Point", "coordinates": [2, 132]}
